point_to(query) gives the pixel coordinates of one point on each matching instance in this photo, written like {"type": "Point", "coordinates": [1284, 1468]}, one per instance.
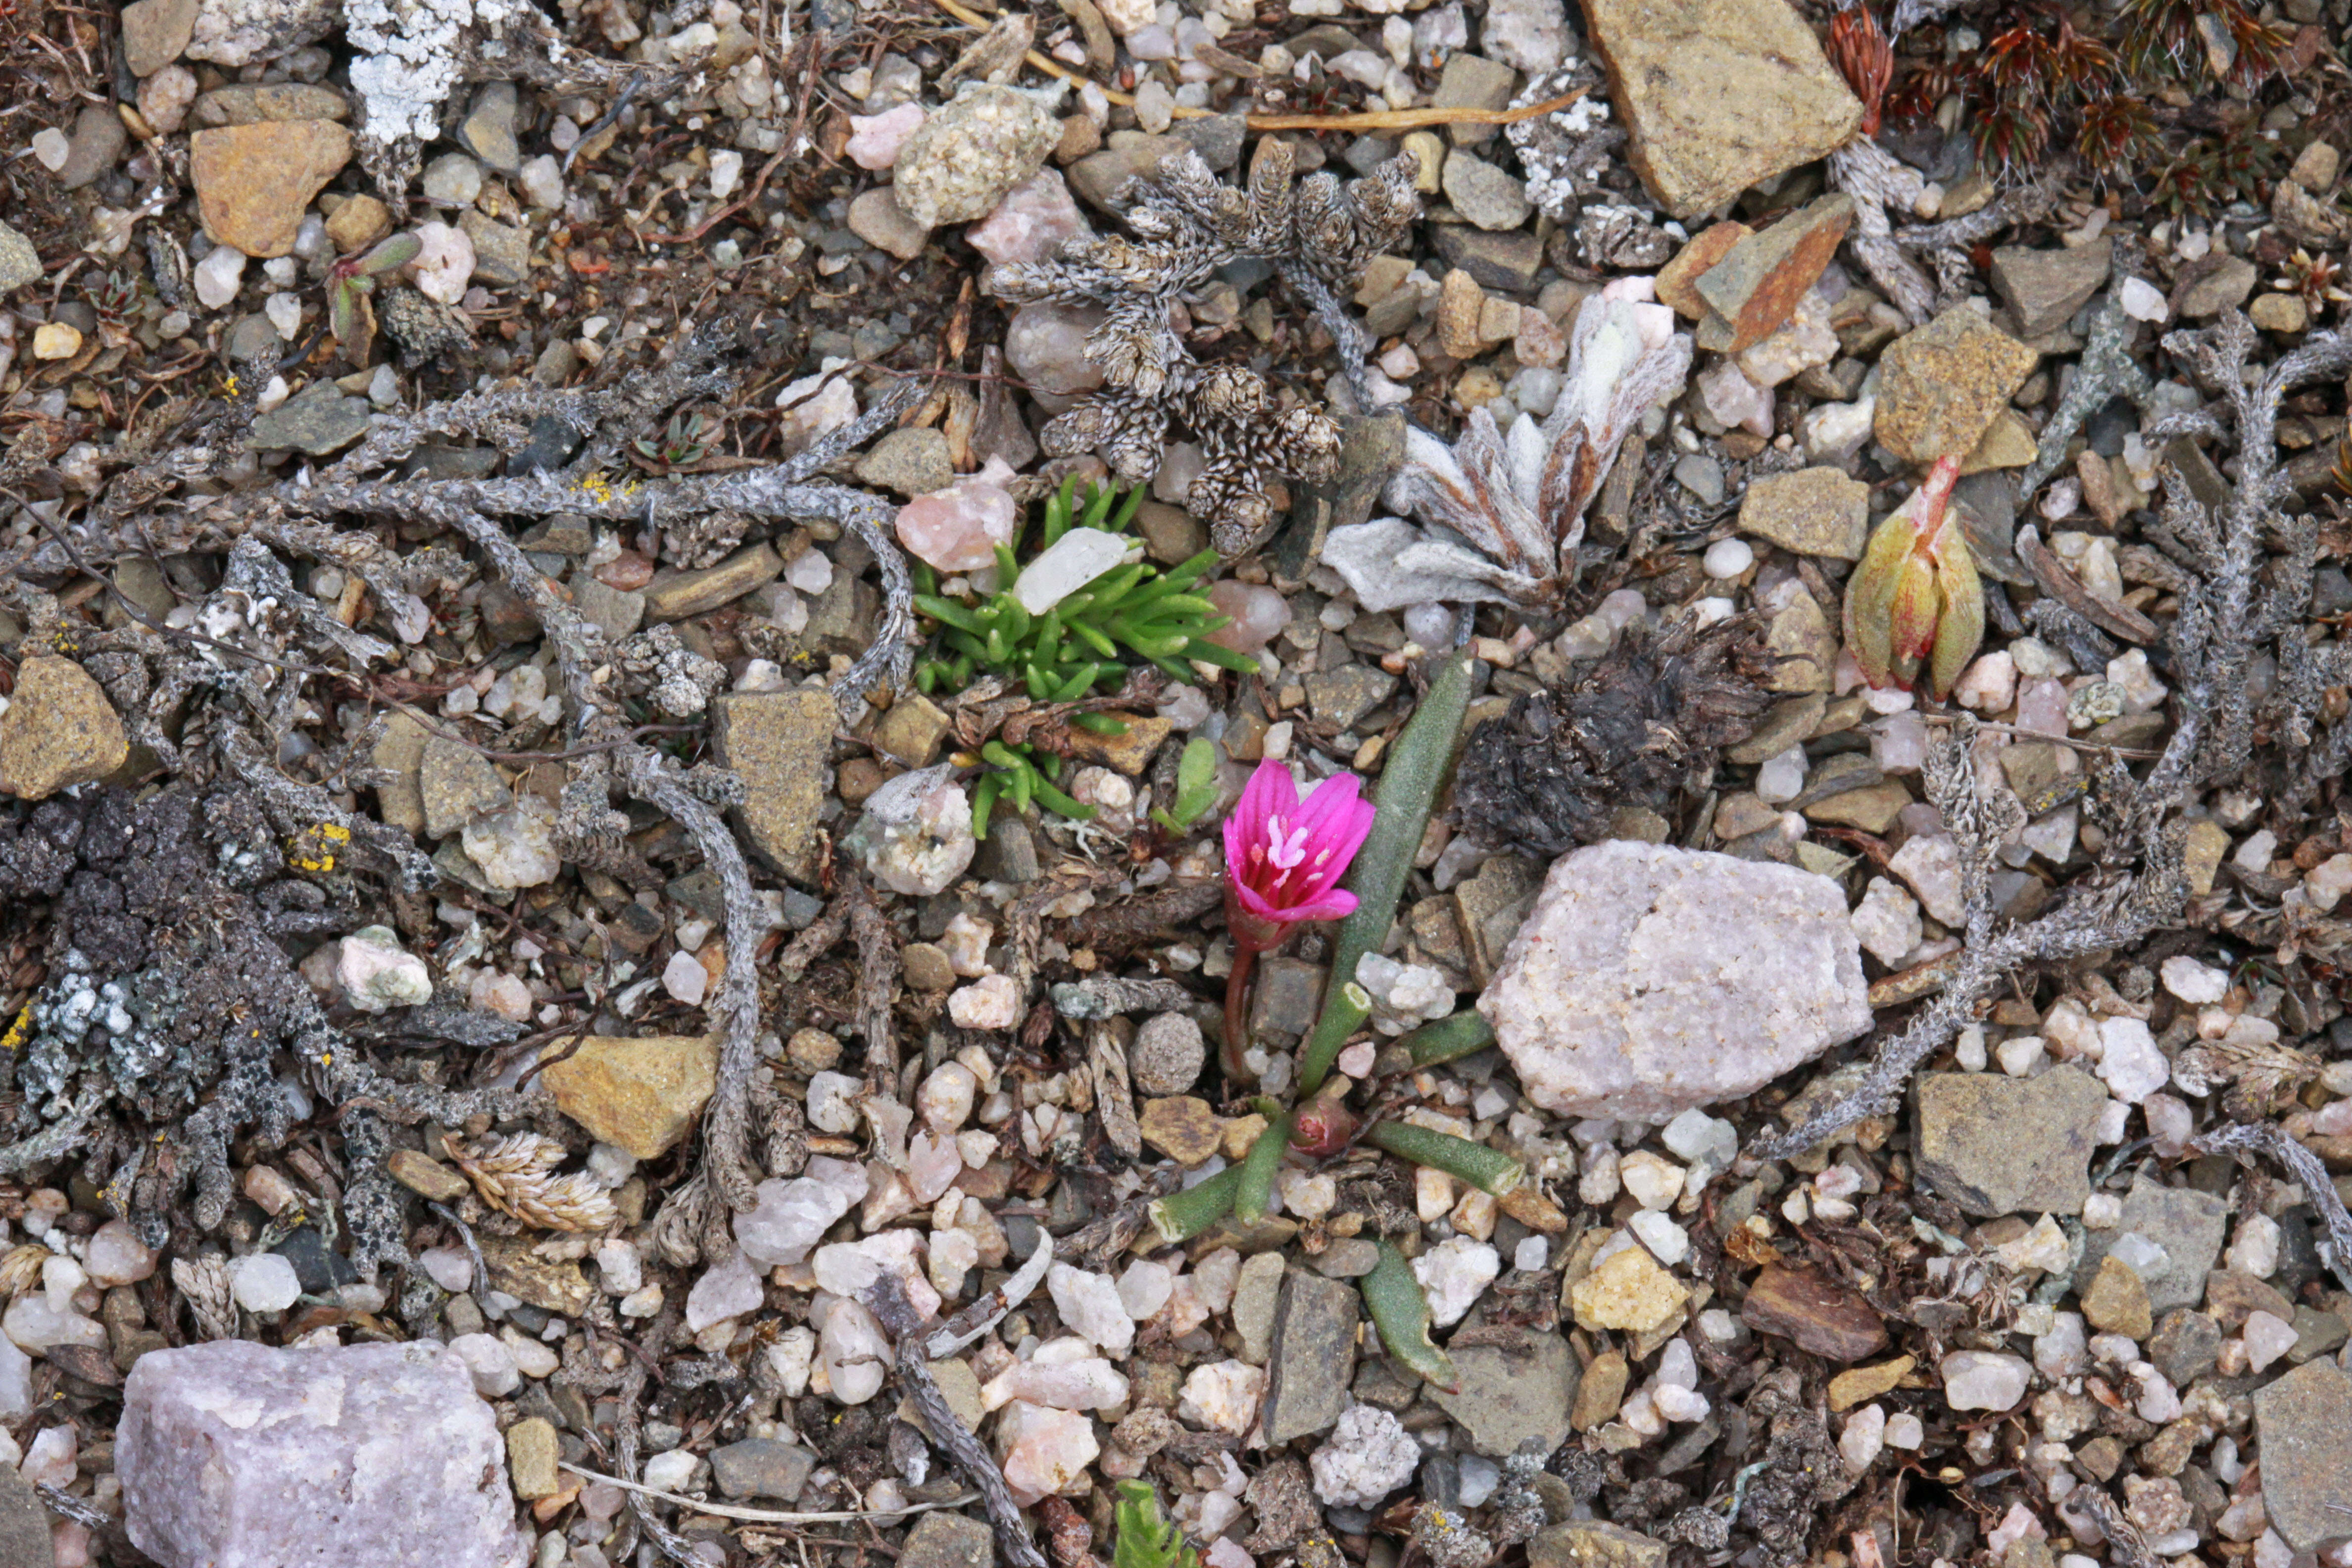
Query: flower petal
{"type": "Point", "coordinates": [1270, 790]}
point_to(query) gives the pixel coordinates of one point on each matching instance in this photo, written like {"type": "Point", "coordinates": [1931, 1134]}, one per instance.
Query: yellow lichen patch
{"type": "Point", "coordinates": [313, 848]}
{"type": "Point", "coordinates": [19, 1030]}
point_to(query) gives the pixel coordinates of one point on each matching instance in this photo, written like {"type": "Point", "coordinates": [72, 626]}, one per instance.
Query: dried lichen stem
{"type": "Point", "coordinates": [2318, 1190]}
{"type": "Point", "coordinates": [886, 1298]}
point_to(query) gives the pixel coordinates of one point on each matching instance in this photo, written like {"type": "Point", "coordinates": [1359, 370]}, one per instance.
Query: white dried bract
{"type": "Point", "coordinates": [1318, 233]}
{"type": "Point", "coordinates": [1517, 499]}
{"type": "Point", "coordinates": [512, 1176]}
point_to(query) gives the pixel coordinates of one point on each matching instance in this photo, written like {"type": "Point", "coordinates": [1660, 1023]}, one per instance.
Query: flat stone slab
{"type": "Point", "coordinates": [234, 1455]}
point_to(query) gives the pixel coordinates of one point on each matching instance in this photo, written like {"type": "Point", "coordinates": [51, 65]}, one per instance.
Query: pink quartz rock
{"type": "Point", "coordinates": [1029, 224]}
{"type": "Point", "coordinates": [875, 138]}
{"type": "Point", "coordinates": [445, 264]}
{"type": "Point", "coordinates": [1257, 614]}
{"type": "Point", "coordinates": [957, 528]}
{"type": "Point", "coordinates": [238, 1456]}
{"type": "Point", "coordinates": [1043, 1451]}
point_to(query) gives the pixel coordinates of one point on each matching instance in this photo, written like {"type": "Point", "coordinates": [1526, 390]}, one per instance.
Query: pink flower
{"type": "Point", "coordinates": [1284, 857]}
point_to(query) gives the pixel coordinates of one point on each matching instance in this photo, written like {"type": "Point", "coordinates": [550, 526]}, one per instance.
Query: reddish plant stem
{"type": "Point", "coordinates": [1229, 1052]}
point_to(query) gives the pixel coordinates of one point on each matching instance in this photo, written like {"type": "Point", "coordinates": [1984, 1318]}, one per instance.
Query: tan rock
{"type": "Point", "coordinates": [1942, 384]}
{"type": "Point", "coordinates": [60, 729]}
{"type": "Point", "coordinates": [2117, 1302]}
{"type": "Point", "coordinates": [1130, 753]}
{"type": "Point", "coordinates": [427, 1177]}
{"type": "Point", "coordinates": [1813, 511]}
{"type": "Point", "coordinates": [778, 742]}
{"type": "Point", "coordinates": [254, 181]}
{"type": "Point", "coordinates": [675, 596]}
{"type": "Point", "coordinates": [1602, 1392]}
{"type": "Point", "coordinates": [531, 1452]}
{"type": "Point", "coordinates": [1717, 94]}
{"type": "Point", "coordinates": [1181, 1127]}
{"type": "Point", "coordinates": [1460, 305]}
{"type": "Point", "coordinates": [1631, 1292]}
{"type": "Point", "coordinates": [638, 1095]}
{"type": "Point", "coordinates": [2008, 443]}
{"type": "Point", "coordinates": [1754, 289]}
{"type": "Point", "coordinates": [1861, 1384]}
{"type": "Point", "coordinates": [359, 222]}
{"type": "Point", "coordinates": [400, 751]}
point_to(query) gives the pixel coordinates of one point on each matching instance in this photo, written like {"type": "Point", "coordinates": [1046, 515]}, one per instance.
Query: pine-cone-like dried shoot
{"type": "Point", "coordinates": [514, 1175]}
{"type": "Point", "coordinates": [1186, 224]}
{"type": "Point", "coordinates": [673, 677]}
{"type": "Point", "coordinates": [1651, 715]}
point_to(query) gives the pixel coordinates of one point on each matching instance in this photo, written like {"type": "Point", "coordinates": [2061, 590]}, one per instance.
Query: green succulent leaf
{"type": "Point", "coordinates": [395, 252]}
{"type": "Point", "coordinates": [1145, 1538]}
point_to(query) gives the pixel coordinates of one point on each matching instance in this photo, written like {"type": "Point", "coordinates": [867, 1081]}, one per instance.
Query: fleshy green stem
{"type": "Point", "coordinates": [1449, 1038]}
{"type": "Point", "coordinates": [1410, 778]}
{"type": "Point", "coordinates": [1265, 1158]}
{"type": "Point", "coordinates": [1393, 1301]}
{"type": "Point", "coordinates": [1181, 1215]}
{"type": "Point", "coordinates": [1488, 1170]}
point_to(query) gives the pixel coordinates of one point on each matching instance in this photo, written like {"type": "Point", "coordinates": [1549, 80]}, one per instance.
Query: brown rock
{"type": "Point", "coordinates": [2231, 1296]}
{"type": "Point", "coordinates": [1181, 1127]}
{"type": "Point", "coordinates": [2008, 443]}
{"type": "Point", "coordinates": [60, 729]}
{"type": "Point", "coordinates": [253, 182]}
{"type": "Point", "coordinates": [1754, 289]}
{"type": "Point", "coordinates": [1595, 1543]}
{"type": "Point", "coordinates": [532, 1453]}
{"type": "Point", "coordinates": [1820, 1314]}
{"type": "Point", "coordinates": [426, 1176]}
{"type": "Point", "coordinates": [358, 223]}
{"type": "Point", "coordinates": [1460, 305]}
{"type": "Point", "coordinates": [2117, 1302]}
{"type": "Point", "coordinates": [251, 103]}
{"type": "Point", "coordinates": [1942, 384]}
{"type": "Point", "coordinates": [1872, 809]}
{"type": "Point", "coordinates": [676, 596]}
{"type": "Point", "coordinates": [1718, 94]}
{"type": "Point", "coordinates": [638, 1095]}
{"type": "Point", "coordinates": [1678, 279]}
{"type": "Point", "coordinates": [1602, 1392]}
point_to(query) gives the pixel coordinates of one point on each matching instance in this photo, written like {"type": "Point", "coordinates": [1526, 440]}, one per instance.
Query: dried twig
{"type": "Point", "coordinates": [2318, 1190]}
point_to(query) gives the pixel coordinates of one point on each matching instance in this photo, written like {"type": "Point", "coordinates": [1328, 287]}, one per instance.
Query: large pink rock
{"type": "Point", "coordinates": [233, 1455]}
{"type": "Point", "coordinates": [957, 528]}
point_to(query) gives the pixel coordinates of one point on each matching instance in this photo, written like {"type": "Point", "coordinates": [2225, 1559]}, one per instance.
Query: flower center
{"type": "Point", "coordinates": [1285, 850]}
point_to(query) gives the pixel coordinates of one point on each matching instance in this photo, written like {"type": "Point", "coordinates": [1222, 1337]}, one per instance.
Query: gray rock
{"type": "Point", "coordinates": [1998, 1145]}
{"type": "Point", "coordinates": [1702, 476]}
{"type": "Point", "coordinates": [2045, 288]}
{"type": "Point", "coordinates": [252, 103]}
{"type": "Point", "coordinates": [1166, 1056]}
{"type": "Point", "coordinates": [1288, 997]}
{"type": "Point", "coordinates": [2224, 285]}
{"type": "Point", "coordinates": [960, 162]}
{"type": "Point", "coordinates": [947, 1540]}
{"type": "Point", "coordinates": [2305, 1424]}
{"type": "Point", "coordinates": [401, 753]}
{"type": "Point", "coordinates": [1492, 905]}
{"type": "Point", "coordinates": [1349, 1258]}
{"type": "Point", "coordinates": [1346, 694]}
{"type": "Point", "coordinates": [762, 1467]}
{"type": "Point", "coordinates": [1097, 178]}
{"type": "Point", "coordinates": [2188, 1225]}
{"type": "Point", "coordinates": [501, 250]}
{"type": "Point", "coordinates": [488, 129]}
{"type": "Point", "coordinates": [778, 740]}
{"type": "Point", "coordinates": [96, 143]}
{"type": "Point", "coordinates": [238, 1456]}
{"type": "Point", "coordinates": [319, 421]}
{"type": "Point", "coordinates": [1216, 137]}
{"type": "Point", "coordinates": [1514, 1392]}
{"type": "Point", "coordinates": [155, 33]}
{"type": "Point", "coordinates": [1009, 853]}
{"type": "Point", "coordinates": [1312, 1357]}
{"type": "Point", "coordinates": [25, 1541]}
{"type": "Point", "coordinates": [2187, 1345]}
{"type": "Point", "coordinates": [1483, 193]}
{"type": "Point", "coordinates": [877, 218]}
{"type": "Point", "coordinates": [1255, 1296]}
{"type": "Point", "coordinates": [457, 784]}
{"type": "Point", "coordinates": [1504, 261]}
{"type": "Point", "coordinates": [19, 263]}
{"type": "Point", "coordinates": [909, 462]}
{"type": "Point", "coordinates": [616, 612]}
{"type": "Point", "coordinates": [1470, 81]}
{"type": "Point", "coordinates": [1649, 980]}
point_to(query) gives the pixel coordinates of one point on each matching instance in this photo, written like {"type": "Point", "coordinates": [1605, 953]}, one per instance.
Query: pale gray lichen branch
{"type": "Point", "coordinates": [2309, 1174]}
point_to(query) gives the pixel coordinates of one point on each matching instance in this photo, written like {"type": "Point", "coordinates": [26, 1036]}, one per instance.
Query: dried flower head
{"type": "Point", "coordinates": [1916, 598]}
{"type": "Point", "coordinates": [1187, 223]}
{"type": "Point", "coordinates": [511, 1174]}
{"type": "Point", "coordinates": [1520, 498]}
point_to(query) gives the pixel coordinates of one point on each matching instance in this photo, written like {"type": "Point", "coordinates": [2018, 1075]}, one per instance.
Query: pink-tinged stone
{"type": "Point", "coordinates": [1046, 347]}
{"type": "Point", "coordinates": [957, 528]}
{"type": "Point", "coordinates": [1031, 222]}
{"type": "Point", "coordinates": [1088, 1383]}
{"type": "Point", "coordinates": [875, 138]}
{"type": "Point", "coordinates": [1223, 1396]}
{"type": "Point", "coordinates": [235, 1455]}
{"type": "Point", "coordinates": [1257, 613]}
{"type": "Point", "coordinates": [445, 264]}
{"type": "Point", "coordinates": [1043, 1451]}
